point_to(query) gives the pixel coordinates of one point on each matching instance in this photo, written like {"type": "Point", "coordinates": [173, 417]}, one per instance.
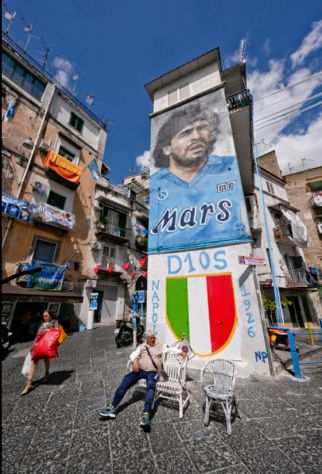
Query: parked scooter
{"type": "Point", "coordinates": [6, 336]}
{"type": "Point", "coordinates": [124, 333]}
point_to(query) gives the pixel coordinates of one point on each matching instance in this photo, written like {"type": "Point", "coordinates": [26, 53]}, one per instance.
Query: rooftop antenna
{"type": "Point", "coordinates": [90, 100]}
{"type": "Point", "coordinates": [242, 51]}
{"type": "Point", "coordinates": [28, 30]}
{"type": "Point", "coordinates": [10, 17]}
{"type": "Point", "coordinates": [75, 78]}
{"type": "Point", "coordinates": [45, 59]}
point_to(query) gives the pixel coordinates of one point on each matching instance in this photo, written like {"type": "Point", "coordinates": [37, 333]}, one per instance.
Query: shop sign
{"type": "Point", "coordinates": [252, 260]}
{"type": "Point", "coordinates": [93, 301]}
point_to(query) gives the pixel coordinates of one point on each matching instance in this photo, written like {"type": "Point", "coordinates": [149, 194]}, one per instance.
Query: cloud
{"type": "Point", "coordinates": [64, 71]}
{"type": "Point", "coordinates": [301, 150]}
{"type": "Point", "coordinates": [279, 99]}
{"type": "Point", "coordinates": [144, 160]}
{"type": "Point", "coordinates": [311, 42]}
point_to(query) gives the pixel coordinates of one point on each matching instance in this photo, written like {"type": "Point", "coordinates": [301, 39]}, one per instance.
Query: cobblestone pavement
{"type": "Point", "coordinates": [55, 428]}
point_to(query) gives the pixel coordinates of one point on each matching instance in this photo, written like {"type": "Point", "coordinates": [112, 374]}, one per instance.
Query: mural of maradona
{"type": "Point", "coordinates": [196, 198]}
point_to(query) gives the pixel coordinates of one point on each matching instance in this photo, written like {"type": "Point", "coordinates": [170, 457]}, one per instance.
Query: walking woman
{"type": "Point", "coordinates": [48, 322]}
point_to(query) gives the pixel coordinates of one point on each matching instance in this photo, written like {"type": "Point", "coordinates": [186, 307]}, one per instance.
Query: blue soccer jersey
{"type": "Point", "coordinates": [207, 211]}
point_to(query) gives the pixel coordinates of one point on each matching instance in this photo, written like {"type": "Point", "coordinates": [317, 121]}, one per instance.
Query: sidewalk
{"type": "Point", "coordinates": [55, 428]}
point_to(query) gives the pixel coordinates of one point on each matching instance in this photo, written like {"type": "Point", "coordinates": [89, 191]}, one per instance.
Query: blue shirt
{"type": "Point", "coordinates": [207, 211]}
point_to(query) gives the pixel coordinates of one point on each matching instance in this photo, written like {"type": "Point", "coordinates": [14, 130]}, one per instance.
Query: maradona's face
{"type": "Point", "coordinates": [190, 145]}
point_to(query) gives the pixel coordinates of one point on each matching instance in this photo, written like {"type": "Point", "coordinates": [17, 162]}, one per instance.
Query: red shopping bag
{"type": "Point", "coordinates": [46, 344]}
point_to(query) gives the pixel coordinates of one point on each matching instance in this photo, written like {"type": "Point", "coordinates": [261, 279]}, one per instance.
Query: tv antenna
{"type": "Point", "coordinates": [10, 18]}
{"type": "Point", "coordinates": [242, 51]}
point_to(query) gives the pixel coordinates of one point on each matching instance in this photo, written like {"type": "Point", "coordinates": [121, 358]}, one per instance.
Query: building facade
{"type": "Point", "coordinates": [117, 251]}
{"type": "Point", "coordinates": [49, 140]}
{"type": "Point", "coordinates": [290, 242]}
{"type": "Point", "coordinates": [198, 286]}
{"type": "Point", "coordinates": [304, 189]}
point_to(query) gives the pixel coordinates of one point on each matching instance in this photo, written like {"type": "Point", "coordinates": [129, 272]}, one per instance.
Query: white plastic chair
{"type": "Point", "coordinates": [174, 389]}
{"type": "Point", "coordinates": [223, 375]}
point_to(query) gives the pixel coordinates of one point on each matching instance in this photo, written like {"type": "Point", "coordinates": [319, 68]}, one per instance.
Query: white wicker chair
{"type": "Point", "coordinates": [223, 375]}
{"type": "Point", "coordinates": [174, 389]}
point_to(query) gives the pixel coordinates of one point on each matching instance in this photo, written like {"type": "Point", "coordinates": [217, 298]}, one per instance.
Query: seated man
{"type": "Point", "coordinates": [146, 363]}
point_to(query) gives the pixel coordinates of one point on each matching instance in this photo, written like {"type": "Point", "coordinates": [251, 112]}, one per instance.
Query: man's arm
{"type": "Point", "coordinates": [134, 358]}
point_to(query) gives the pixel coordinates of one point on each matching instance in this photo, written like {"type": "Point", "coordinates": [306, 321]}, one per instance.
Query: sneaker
{"type": "Point", "coordinates": [108, 412]}
{"type": "Point", "coordinates": [145, 423]}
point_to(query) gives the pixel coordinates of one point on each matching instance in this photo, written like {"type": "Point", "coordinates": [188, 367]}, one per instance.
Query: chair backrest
{"type": "Point", "coordinates": [222, 372]}
{"type": "Point", "coordinates": [175, 365]}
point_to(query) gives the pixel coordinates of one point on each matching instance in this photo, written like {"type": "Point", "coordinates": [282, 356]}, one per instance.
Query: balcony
{"type": "Point", "coordinates": [297, 278]}
{"type": "Point", "coordinates": [53, 216]}
{"type": "Point", "coordinates": [240, 100]}
{"type": "Point", "coordinates": [63, 169]}
{"type": "Point", "coordinates": [112, 231]}
{"type": "Point", "coordinates": [141, 243]}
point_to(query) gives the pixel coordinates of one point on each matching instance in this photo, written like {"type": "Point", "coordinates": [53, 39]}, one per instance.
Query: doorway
{"type": "Point", "coordinates": [26, 321]}
{"type": "Point", "coordinates": [295, 312]}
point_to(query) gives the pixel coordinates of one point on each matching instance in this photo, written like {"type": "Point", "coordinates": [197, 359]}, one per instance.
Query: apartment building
{"type": "Point", "coordinates": [304, 189]}
{"type": "Point", "coordinates": [50, 140]}
{"type": "Point", "coordinates": [290, 241]}
{"type": "Point", "coordinates": [118, 251]}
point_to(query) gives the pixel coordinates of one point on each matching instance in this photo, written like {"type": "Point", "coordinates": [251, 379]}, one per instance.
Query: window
{"type": "Point", "coordinates": [66, 153]}
{"type": "Point", "coordinates": [76, 122]}
{"type": "Point", "coordinates": [315, 185]}
{"type": "Point", "coordinates": [108, 254]}
{"type": "Point", "coordinates": [68, 150]}
{"type": "Point", "coordinates": [56, 200]}
{"type": "Point", "coordinates": [45, 251]}
{"type": "Point", "coordinates": [22, 77]}
{"type": "Point", "coordinates": [270, 187]}
{"type": "Point", "coordinates": [115, 221]}
{"type": "Point", "coordinates": [184, 92]}
{"type": "Point", "coordinates": [172, 96]}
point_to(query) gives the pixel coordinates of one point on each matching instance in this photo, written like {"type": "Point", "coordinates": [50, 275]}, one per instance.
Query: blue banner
{"type": "Point", "coordinates": [196, 196]}
{"type": "Point", "coordinates": [51, 276]}
{"type": "Point", "coordinates": [16, 208]}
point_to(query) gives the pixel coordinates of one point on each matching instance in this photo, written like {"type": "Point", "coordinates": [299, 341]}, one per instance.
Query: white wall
{"type": "Point", "coordinates": [246, 344]}
{"type": "Point", "coordinates": [61, 111]}
{"type": "Point", "coordinates": [198, 81]}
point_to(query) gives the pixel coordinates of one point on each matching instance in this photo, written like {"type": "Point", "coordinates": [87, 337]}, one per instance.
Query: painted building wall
{"type": "Point", "coordinates": [223, 322]}
{"type": "Point", "coordinates": [198, 229]}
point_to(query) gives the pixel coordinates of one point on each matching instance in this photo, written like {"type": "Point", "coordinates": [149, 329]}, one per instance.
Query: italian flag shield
{"type": "Point", "coordinates": [202, 308]}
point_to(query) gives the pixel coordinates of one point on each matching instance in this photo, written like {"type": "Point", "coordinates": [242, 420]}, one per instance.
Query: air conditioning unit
{"type": "Point", "coordinates": [320, 227]}
{"type": "Point", "coordinates": [96, 246]}
{"type": "Point", "coordinates": [38, 187]}
{"type": "Point", "coordinates": [44, 147]}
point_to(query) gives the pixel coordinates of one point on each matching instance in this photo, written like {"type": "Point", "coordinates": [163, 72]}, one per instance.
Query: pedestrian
{"type": "Point", "coordinates": [146, 364]}
{"type": "Point", "coordinates": [48, 322]}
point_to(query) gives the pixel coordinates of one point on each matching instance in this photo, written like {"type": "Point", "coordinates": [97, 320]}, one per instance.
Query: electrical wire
{"type": "Point", "coordinates": [281, 111]}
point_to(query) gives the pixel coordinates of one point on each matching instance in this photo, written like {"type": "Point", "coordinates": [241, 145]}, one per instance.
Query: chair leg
{"type": "Point", "coordinates": [207, 415]}
{"type": "Point", "coordinates": [227, 405]}
{"type": "Point", "coordinates": [180, 406]}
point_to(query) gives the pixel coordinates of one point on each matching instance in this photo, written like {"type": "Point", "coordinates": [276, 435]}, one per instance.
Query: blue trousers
{"type": "Point", "coordinates": [129, 380]}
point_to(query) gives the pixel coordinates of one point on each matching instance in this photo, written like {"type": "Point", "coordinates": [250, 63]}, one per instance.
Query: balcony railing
{"type": "Point", "coordinates": [297, 277]}
{"type": "Point", "coordinates": [113, 230]}
{"type": "Point", "coordinates": [54, 216]}
{"type": "Point", "coordinates": [240, 100]}
{"type": "Point", "coordinates": [63, 167]}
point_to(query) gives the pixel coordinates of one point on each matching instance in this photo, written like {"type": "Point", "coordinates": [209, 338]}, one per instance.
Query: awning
{"type": "Point", "coordinates": [13, 293]}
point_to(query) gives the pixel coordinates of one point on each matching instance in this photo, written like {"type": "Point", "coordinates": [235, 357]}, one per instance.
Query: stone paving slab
{"type": "Point", "coordinates": [56, 428]}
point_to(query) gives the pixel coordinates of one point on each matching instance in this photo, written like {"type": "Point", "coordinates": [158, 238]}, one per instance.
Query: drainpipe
{"type": "Point", "coordinates": [30, 160]}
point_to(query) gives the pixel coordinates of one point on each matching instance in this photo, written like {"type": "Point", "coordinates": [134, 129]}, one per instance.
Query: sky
{"type": "Point", "coordinates": [111, 48]}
